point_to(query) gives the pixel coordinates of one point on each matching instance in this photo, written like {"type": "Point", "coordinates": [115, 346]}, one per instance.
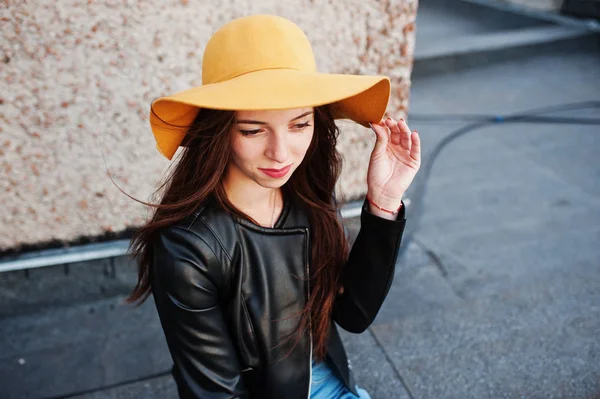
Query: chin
{"type": "Point", "coordinates": [273, 183]}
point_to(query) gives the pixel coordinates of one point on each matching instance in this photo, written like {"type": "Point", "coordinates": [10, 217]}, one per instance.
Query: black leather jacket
{"type": "Point", "coordinates": [227, 291]}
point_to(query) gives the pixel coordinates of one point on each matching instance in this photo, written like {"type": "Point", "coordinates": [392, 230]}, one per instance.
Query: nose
{"type": "Point", "coordinates": [277, 147]}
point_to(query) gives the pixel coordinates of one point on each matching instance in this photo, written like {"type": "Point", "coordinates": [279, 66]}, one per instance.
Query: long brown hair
{"type": "Point", "coordinates": [198, 174]}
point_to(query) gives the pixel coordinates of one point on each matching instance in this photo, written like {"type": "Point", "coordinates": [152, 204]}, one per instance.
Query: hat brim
{"type": "Point", "coordinates": [362, 99]}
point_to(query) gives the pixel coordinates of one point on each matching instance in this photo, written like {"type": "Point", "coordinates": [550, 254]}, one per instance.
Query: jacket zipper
{"type": "Point", "coordinates": [309, 318]}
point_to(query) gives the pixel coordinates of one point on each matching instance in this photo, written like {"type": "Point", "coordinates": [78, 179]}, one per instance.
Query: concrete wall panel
{"type": "Point", "coordinates": [78, 76]}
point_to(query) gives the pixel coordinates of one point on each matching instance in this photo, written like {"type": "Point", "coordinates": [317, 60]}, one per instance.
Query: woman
{"type": "Point", "coordinates": [246, 256]}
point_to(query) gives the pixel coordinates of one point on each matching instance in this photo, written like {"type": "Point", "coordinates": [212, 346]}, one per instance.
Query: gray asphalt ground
{"type": "Point", "coordinates": [496, 296]}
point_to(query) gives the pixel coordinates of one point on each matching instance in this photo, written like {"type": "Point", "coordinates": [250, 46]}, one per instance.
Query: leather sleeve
{"type": "Point", "coordinates": [369, 272]}
{"type": "Point", "coordinates": [186, 279]}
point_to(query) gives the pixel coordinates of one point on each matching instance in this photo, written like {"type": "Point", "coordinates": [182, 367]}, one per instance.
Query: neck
{"type": "Point", "coordinates": [260, 203]}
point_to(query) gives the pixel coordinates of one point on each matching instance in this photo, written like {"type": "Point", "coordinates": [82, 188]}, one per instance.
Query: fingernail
{"type": "Point", "coordinates": [402, 119]}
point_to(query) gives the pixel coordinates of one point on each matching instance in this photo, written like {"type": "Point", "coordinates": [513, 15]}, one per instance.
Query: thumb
{"type": "Point", "coordinates": [383, 136]}
{"type": "Point", "coordinates": [381, 131]}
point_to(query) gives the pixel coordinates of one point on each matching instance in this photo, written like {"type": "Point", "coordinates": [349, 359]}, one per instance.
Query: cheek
{"type": "Point", "coordinates": [245, 150]}
{"type": "Point", "coordinates": [302, 144]}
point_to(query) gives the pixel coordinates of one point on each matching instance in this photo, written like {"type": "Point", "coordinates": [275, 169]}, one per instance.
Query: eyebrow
{"type": "Point", "coordinates": [251, 122]}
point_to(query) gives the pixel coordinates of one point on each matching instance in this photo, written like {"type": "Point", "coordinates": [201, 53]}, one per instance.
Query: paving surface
{"type": "Point", "coordinates": [504, 300]}
{"type": "Point", "coordinates": [497, 295]}
{"type": "Point", "coordinates": [456, 20]}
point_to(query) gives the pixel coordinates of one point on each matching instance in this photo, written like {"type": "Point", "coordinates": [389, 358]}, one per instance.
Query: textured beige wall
{"type": "Point", "coordinates": [79, 75]}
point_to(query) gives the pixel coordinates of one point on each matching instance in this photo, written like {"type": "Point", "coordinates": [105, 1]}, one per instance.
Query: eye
{"type": "Point", "coordinates": [302, 125]}
{"type": "Point", "coordinates": [250, 132]}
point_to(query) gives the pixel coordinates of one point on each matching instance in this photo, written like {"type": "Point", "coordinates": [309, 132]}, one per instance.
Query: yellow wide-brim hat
{"type": "Point", "coordinates": [265, 62]}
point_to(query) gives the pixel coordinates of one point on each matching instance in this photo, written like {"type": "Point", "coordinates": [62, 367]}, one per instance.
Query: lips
{"type": "Point", "coordinates": [276, 173]}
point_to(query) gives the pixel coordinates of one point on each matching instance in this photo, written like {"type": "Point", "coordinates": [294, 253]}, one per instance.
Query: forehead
{"type": "Point", "coordinates": [272, 116]}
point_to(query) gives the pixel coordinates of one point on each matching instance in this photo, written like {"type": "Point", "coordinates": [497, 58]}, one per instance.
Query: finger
{"type": "Point", "coordinates": [406, 133]}
{"type": "Point", "coordinates": [402, 138]}
{"type": "Point", "coordinates": [415, 152]}
{"type": "Point", "coordinates": [395, 134]}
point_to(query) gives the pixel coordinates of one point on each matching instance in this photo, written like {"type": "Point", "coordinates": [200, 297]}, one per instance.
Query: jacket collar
{"type": "Point", "coordinates": [293, 217]}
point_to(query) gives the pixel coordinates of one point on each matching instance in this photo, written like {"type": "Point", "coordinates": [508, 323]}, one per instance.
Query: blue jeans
{"type": "Point", "coordinates": [326, 385]}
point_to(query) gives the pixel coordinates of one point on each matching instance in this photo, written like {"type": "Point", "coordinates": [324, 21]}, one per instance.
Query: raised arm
{"type": "Point", "coordinates": [186, 279]}
{"type": "Point", "coordinates": [368, 275]}
{"type": "Point", "coordinates": [369, 272]}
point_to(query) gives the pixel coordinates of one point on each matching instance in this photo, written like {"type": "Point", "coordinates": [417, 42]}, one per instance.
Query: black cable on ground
{"type": "Point", "coordinates": [500, 119]}
{"type": "Point", "coordinates": [531, 115]}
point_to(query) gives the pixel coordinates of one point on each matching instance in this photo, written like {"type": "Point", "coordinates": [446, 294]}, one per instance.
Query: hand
{"type": "Point", "coordinates": [394, 162]}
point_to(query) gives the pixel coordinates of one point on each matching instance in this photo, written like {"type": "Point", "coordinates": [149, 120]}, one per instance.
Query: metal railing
{"type": "Point", "coordinates": [94, 251]}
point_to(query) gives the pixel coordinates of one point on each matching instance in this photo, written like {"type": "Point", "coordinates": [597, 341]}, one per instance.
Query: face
{"type": "Point", "coordinates": [268, 146]}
